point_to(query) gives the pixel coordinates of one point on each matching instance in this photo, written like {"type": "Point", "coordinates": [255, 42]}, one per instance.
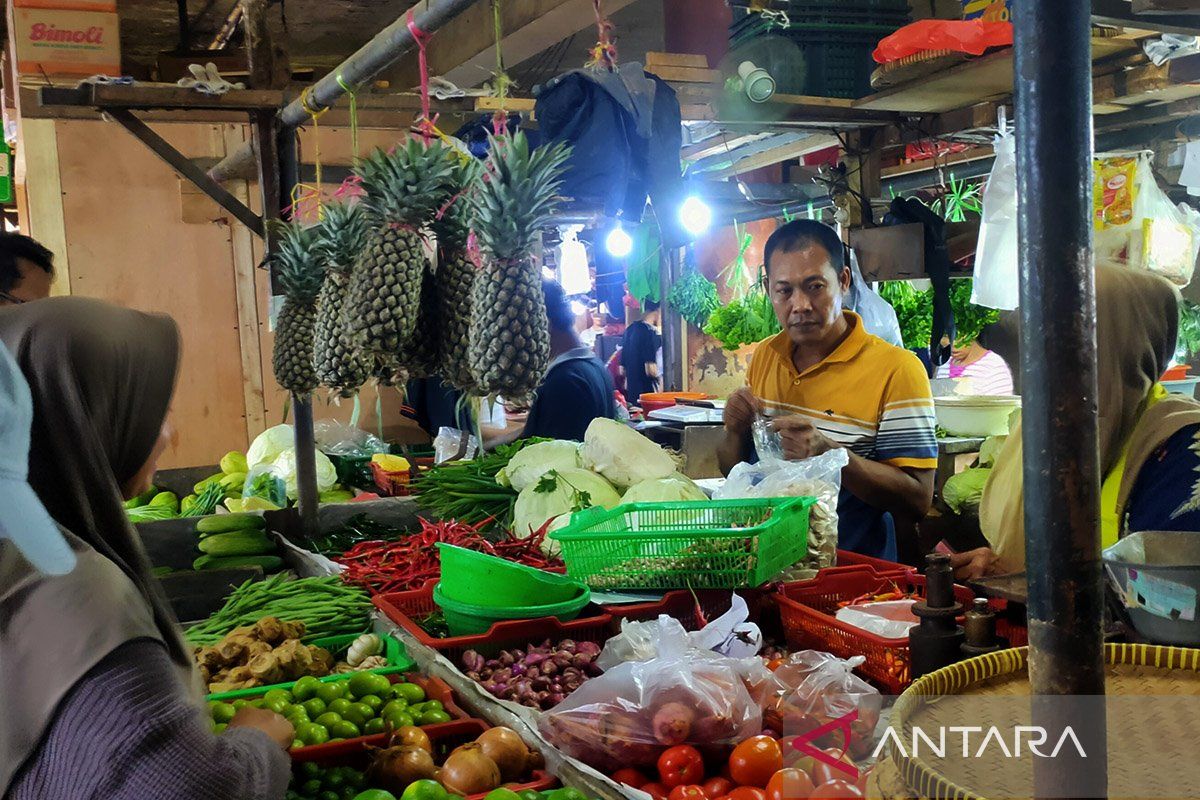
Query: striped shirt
{"type": "Point", "coordinates": [988, 375]}
{"type": "Point", "coordinates": [868, 396]}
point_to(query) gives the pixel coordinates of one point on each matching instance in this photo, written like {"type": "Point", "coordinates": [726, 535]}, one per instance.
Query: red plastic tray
{"type": "Point", "coordinates": [435, 689]}
{"type": "Point", "coordinates": [807, 609]}
{"type": "Point", "coordinates": [404, 608]}
{"type": "Point", "coordinates": [445, 737]}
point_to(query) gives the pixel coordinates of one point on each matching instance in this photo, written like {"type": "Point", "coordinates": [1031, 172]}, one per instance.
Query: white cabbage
{"type": "Point", "coordinates": [267, 446]}
{"type": "Point", "coordinates": [622, 455]}
{"type": "Point", "coordinates": [673, 488]}
{"type": "Point", "coordinates": [535, 460]}
{"type": "Point", "coordinates": [558, 493]}
{"type": "Point", "coordinates": [285, 467]}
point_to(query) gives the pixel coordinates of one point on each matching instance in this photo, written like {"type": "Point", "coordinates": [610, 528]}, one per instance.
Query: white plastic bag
{"type": "Point", "coordinates": [452, 444]}
{"type": "Point", "coordinates": [339, 439]}
{"type": "Point", "coordinates": [996, 284]}
{"type": "Point", "coordinates": [814, 689]}
{"type": "Point", "coordinates": [878, 316]}
{"type": "Point", "coordinates": [729, 634]}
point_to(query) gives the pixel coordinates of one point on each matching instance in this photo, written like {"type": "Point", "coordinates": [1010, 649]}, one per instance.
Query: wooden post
{"type": "Point", "coordinates": [863, 172]}
{"type": "Point", "coordinates": [268, 64]}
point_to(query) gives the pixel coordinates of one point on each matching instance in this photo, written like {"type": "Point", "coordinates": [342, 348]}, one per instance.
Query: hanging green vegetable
{"type": "Point", "coordinates": [694, 297]}
{"type": "Point", "coordinates": [744, 321]}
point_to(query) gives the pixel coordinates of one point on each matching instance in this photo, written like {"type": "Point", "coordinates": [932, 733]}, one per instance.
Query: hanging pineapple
{"type": "Point", "coordinates": [455, 275]}
{"type": "Point", "coordinates": [344, 232]}
{"type": "Point", "coordinates": [404, 188]}
{"type": "Point", "coordinates": [297, 264]}
{"type": "Point", "coordinates": [510, 336]}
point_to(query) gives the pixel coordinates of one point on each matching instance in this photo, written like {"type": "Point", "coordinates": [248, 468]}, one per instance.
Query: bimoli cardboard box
{"type": "Point", "coordinates": [56, 41]}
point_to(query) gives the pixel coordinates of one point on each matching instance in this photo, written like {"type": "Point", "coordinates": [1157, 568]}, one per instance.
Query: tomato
{"type": "Point", "coordinates": [747, 793]}
{"type": "Point", "coordinates": [688, 791]}
{"type": "Point", "coordinates": [789, 784]}
{"type": "Point", "coordinates": [655, 790]}
{"type": "Point", "coordinates": [774, 664]}
{"type": "Point", "coordinates": [716, 787]}
{"type": "Point", "coordinates": [836, 790]}
{"type": "Point", "coordinates": [679, 765]}
{"type": "Point", "coordinates": [824, 773]}
{"type": "Point", "coordinates": [630, 777]}
{"type": "Point", "coordinates": [755, 760]}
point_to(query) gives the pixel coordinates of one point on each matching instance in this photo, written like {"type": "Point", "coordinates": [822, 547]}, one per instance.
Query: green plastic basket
{"type": "Point", "coordinates": [479, 579]}
{"type": "Point", "coordinates": [714, 544]}
{"type": "Point", "coordinates": [397, 658]}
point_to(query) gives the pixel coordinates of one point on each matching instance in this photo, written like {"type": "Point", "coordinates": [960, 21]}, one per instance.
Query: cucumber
{"type": "Point", "coordinates": [234, 480]}
{"type": "Point", "coordinates": [224, 523]}
{"type": "Point", "coordinates": [268, 563]}
{"type": "Point", "coordinates": [237, 543]}
{"type": "Point", "coordinates": [199, 487]}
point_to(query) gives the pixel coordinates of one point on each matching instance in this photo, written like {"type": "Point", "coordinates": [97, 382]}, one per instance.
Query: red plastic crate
{"type": "Point", "coordinates": [845, 559]}
{"type": "Point", "coordinates": [807, 609]}
{"type": "Point", "coordinates": [404, 608]}
{"type": "Point", "coordinates": [681, 605]}
{"type": "Point", "coordinates": [444, 738]}
{"type": "Point", "coordinates": [435, 689]}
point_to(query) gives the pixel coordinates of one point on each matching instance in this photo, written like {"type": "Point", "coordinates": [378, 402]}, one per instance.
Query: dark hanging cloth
{"type": "Point", "coordinates": [937, 267]}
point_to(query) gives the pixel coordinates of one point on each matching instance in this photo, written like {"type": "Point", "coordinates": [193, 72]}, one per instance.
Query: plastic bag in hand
{"type": "Point", "coordinates": [814, 689]}
{"type": "Point", "coordinates": [631, 713]}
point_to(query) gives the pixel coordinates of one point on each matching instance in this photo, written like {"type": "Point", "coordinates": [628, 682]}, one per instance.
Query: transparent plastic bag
{"type": "Point", "coordinates": [814, 689]}
{"type": "Point", "coordinates": [996, 284]}
{"type": "Point", "coordinates": [453, 444]}
{"type": "Point", "coordinates": [339, 439]}
{"type": "Point", "coordinates": [631, 713]}
{"type": "Point", "coordinates": [878, 316]}
{"type": "Point", "coordinates": [819, 477]}
{"type": "Point", "coordinates": [767, 443]}
{"type": "Point", "coordinates": [266, 482]}
{"type": "Point", "coordinates": [729, 634]}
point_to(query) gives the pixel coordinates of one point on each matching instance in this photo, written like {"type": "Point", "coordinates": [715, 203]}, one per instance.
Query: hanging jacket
{"type": "Point", "coordinates": [937, 267]}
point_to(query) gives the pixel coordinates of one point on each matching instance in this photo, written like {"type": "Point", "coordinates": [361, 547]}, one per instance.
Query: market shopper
{"type": "Point", "coordinates": [827, 383]}
{"type": "Point", "coordinates": [100, 696]}
{"type": "Point", "coordinates": [640, 353]}
{"type": "Point", "coordinates": [1149, 439]}
{"type": "Point", "coordinates": [26, 269]}
{"type": "Point", "coordinates": [982, 371]}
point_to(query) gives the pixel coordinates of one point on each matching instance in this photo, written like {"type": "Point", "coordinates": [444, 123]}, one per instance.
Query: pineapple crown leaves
{"type": "Point", "coordinates": [453, 225]}
{"type": "Point", "coordinates": [516, 197]}
{"type": "Point", "coordinates": [342, 234]}
{"type": "Point", "coordinates": [297, 260]}
{"type": "Point", "coordinates": [408, 184]}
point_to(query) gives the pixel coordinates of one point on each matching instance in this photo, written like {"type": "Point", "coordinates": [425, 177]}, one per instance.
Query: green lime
{"type": "Point", "coordinates": [329, 794]}
{"type": "Point", "coordinates": [433, 718]}
{"type": "Point", "coordinates": [344, 729]}
{"type": "Point", "coordinates": [221, 712]}
{"type": "Point", "coordinates": [374, 725]}
{"type": "Point", "coordinates": [310, 787]}
{"type": "Point", "coordinates": [362, 684]}
{"type": "Point", "coordinates": [374, 701]}
{"type": "Point", "coordinates": [424, 789]}
{"type": "Point", "coordinates": [358, 713]}
{"type": "Point", "coordinates": [315, 707]}
{"type": "Point", "coordinates": [240, 704]}
{"type": "Point", "coordinates": [310, 769]}
{"type": "Point", "coordinates": [339, 706]}
{"type": "Point", "coordinates": [530, 794]}
{"type": "Point", "coordinates": [328, 718]}
{"type": "Point", "coordinates": [399, 719]}
{"type": "Point", "coordinates": [333, 780]}
{"type": "Point", "coordinates": [220, 727]}
{"type": "Point", "coordinates": [312, 733]}
{"type": "Point", "coordinates": [566, 793]}
{"type": "Point", "coordinates": [305, 688]}
{"type": "Point", "coordinates": [296, 743]}
{"type": "Point", "coordinates": [296, 712]}
{"type": "Point", "coordinates": [353, 777]}
{"type": "Point", "coordinates": [278, 694]}
{"type": "Point", "coordinates": [502, 794]}
{"type": "Point", "coordinates": [410, 692]}
{"type": "Point", "coordinates": [374, 794]}
{"type": "Point", "coordinates": [331, 691]}
{"type": "Point", "coordinates": [348, 792]}
{"type": "Point", "coordinates": [394, 707]}
{"type": "Point", "coordinates": [276, 704]}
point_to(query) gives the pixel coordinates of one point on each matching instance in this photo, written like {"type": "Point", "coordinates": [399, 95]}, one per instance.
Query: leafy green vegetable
{"type": "Point", "coordinates": [1189, 329]}
{"type": "Point", "coordinates": [694, 297]}
{"type": "Point", "coordinates": [744, 321]}
{"type": "Point", "coordinates": [467, 491]}
{"type": "Point", "coordinates": [964, 491]}
{"type": "Point", "coordinates": [961, 201]}
{"type": "Point", "coordinates": [914, 311]}
{"type": "Point", "coordinates": [206, 501]}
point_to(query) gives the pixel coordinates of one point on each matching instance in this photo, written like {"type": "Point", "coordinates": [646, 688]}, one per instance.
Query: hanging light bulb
{"type": "Point", "coordinates": [695, 216]}
{"type": "Point", "coordinates": [618, 243]}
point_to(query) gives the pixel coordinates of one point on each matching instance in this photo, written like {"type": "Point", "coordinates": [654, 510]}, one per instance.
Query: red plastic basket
{"type": "Point", "coordinates": [435, 689]}
{"type": "Point", "coordinates": [845, 558]}
{"type": "Point", "coordinates": [807, 610]}
{"type": "Point", "coordinates": [681, 605]}
{"type": "Point", "coordinates": [444, 738]}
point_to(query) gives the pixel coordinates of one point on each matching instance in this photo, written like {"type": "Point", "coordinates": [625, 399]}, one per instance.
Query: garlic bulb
{"type": "Point", "coordinates": [362, 648]}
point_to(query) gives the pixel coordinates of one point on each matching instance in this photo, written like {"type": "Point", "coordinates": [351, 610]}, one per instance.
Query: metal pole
{"type": "Point", "coordinates": [1058, 363]}
{"type": "Point", "coordinates": [364, 64]}
{"type": "Point", "coordinates": [672, 323]}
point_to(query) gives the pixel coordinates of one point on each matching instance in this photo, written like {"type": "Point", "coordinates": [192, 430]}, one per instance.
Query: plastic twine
{"type": "Point", "coordinates": [356, 412]}
{"type": "Point", "coordinates": [353, 114]}
{"type": "Point", "coordinates": [303, 194]}
{"type": "Point", "coordinates": [500, 80]}
{"type": "Point", "coordinates": [425, 125]}
{"type": "Point", "coordinates": [604, 54]}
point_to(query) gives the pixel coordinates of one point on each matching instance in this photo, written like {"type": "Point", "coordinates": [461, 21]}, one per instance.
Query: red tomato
{"type": "Point", "coordinates": [755, 760]}
{"type": "Point", "coordinates": [789, 784]}
{"type": "Point", "coordinates": [747, 793]}
{"type": "Point", "coordinates": [655, 790]}
{"type": "Point", "coordinates": [630, 777]}
{"type": "Point", "coordinates": [716, 787]}
{"type": "Point", "coordinates": [836, 790]}
{"type": "Point", "coordinates": [824, 773]}
{"type": "Point", "coordinates": [680, 765]}
{"type": "Point", "coordinates": [689, 791]}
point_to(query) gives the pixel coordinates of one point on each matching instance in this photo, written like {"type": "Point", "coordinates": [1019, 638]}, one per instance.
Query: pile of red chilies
{"type": "Point", "coordinates": [381, 567]}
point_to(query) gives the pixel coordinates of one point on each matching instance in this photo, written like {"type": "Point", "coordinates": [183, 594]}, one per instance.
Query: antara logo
{"type": "Point", "coordinates": [41, 32]}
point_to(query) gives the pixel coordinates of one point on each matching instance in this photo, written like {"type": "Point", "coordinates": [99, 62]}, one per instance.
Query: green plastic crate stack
{"type": "Point", "coordinates": [227, 541]}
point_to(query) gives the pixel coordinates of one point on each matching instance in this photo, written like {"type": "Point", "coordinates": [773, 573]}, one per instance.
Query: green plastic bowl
{"type": "Point", "coordinates": [468, 619]}
{"type": "Point", "coordinates": [479, 579]}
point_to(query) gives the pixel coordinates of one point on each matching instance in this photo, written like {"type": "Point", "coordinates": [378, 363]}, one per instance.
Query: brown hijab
{"type": "Point", "coordinates": [1137, 325]}
{"type": "Point", "coordinates": [101, 378]}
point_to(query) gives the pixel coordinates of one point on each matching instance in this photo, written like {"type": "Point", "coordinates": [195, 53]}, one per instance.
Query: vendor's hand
{"type": "Point", "coordinates": [652, 369]}
{"type": "Point", "coordinates": [800, 438]}
{"type": "Point", "coordinates": [740, 410]}
{"type": "Point", "coordinates": [279, 729]}
{"type": "Point", "coordinates": [973, 563]}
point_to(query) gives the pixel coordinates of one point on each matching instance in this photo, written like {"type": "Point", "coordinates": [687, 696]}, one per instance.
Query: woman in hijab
{"type": "Point", "coordinates": [1149, 439]}
{"type": "Point", "coordinates": [98, 691]}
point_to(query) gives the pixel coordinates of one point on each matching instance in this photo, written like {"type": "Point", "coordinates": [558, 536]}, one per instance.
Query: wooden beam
{"type": "Point", "coordinates": [1121, 14]}
{"type": "Point", "coordinates": [142, 97]}
{"type": "Point", "coordinates": [1164, 6]}
{"type": "Point", "coordinates": [693, 60]}
{"type": "Point", "coordinates": [43, 189]}
{"type": "Point", "coordinates": [773, 155]}
{"type": "Point", "coordinates": [463, 51]}
{"type": "Point", "coordinates": [683, 74]}
{"type": "Point", "coordinates": [716, 145]}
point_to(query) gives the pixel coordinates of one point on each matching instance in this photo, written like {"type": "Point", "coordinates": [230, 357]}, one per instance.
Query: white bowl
{"type": "Point", "coordinates": [975, 415]}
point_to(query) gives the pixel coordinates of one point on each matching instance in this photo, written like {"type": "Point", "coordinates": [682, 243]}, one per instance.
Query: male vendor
{"type": "Point", "coordinates": [828, 383]}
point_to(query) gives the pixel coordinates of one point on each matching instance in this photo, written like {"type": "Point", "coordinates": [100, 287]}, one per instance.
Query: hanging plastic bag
{"type": "Point", "coordinates": [996, 274]}
{"type": "Point", "coordinates": [819, 477]}
{"type": "Point", "coordinates": [878, 316]}
{"type": "Point", "coordinates": [339, 439]}
{"type": "Point", "coordinates": [634, 711]}
{"type": "Point", "coordinates": [815, 689]}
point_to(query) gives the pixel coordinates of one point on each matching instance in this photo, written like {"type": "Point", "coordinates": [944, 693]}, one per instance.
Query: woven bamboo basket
{"type": "Point", "coordinates": [1153, 726]}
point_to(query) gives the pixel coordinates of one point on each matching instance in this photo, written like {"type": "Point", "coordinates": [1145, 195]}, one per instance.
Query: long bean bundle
{"type": "Point", "coordinates": [467, 491]}
{"type": "Point", "coordinates": [326, 606]}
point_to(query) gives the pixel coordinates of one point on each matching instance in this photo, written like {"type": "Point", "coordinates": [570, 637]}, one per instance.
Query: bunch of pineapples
{"type": "Point", "coordinates": [298, 266]}
{"type": "Point", "coordinates": [455, 276]}
{"type": "Point", "coordinates": [509, 335]}
{"type": "Point", "coordinates": [343, 234]}
{"type": "Point", "coordinates": [404, 189]}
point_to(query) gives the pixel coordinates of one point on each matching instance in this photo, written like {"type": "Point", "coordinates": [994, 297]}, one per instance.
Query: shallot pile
{"type": "Point", "coordinates": [539, 677]}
